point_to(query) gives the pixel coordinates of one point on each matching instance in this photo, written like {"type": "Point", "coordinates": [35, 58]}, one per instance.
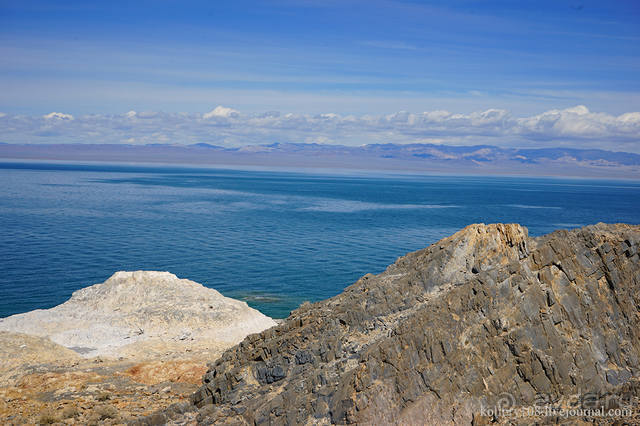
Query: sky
{"type": "Point", "coordinates": [509, 73]}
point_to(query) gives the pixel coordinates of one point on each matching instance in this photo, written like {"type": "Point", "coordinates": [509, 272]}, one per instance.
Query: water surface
{"type": "Point", "coordinates": [274, 239]}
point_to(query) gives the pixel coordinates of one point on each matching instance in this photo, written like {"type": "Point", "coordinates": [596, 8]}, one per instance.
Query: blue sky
{"type": "Point", "coordinates": [311, 57]}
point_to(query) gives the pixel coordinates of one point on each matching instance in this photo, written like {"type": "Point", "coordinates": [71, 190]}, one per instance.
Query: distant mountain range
{"type": "Point", "coordinates": [427, 158]}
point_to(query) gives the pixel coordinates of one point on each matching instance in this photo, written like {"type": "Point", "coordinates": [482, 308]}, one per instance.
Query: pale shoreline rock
{"type": "Point", "coordinates": [141, 314]}
{"type": "Point", "coordinates": [116, 351]}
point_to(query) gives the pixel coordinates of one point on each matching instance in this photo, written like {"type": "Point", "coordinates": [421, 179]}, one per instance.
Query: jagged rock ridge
{"type": "Point", "coordinates": [445, 330]}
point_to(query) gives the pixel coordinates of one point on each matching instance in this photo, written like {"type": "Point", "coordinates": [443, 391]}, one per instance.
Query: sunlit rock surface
{"type": "Point", "coordinates": [141, 312]}
{"type": "Point", "coordinates": [117, 351]}
{"type": "Point", "coordinates": [485, 316]}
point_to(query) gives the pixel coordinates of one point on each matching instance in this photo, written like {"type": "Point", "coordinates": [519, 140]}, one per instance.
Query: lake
{"type": "Point", "coordinates": [271, 238]}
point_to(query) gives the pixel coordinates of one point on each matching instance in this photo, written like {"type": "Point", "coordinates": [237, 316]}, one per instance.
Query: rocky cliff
{"type": "Point", "coordinates": [487, 318]}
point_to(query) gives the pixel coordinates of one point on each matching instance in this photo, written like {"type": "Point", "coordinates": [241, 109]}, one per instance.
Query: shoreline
{"type": "Point", "coordinates": [308, 170]}
{"type": "Point", "coordinates": [409, 159]}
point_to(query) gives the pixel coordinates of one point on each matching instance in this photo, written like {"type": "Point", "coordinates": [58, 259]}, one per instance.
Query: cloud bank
{"type": "Point", "coordinates": [573, 127]}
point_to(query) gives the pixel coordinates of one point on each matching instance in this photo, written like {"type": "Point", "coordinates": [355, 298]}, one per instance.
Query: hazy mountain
{"type": "Point", "coordinates": [477, 159]}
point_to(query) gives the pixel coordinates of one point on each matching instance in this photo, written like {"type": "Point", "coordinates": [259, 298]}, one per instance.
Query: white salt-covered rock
{"type": "Point", "coordinates": [141, 309]}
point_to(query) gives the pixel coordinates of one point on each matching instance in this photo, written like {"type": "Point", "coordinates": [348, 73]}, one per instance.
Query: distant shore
{"type": "Point", "coordinates": [388, 158]}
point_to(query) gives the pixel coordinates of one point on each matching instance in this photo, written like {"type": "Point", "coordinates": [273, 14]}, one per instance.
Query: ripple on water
{"type": "Point", "coordinates": [271, 239]}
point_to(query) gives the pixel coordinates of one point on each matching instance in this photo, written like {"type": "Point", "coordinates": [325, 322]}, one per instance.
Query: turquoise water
{"type": "Point", "coordinates": [274, 239]}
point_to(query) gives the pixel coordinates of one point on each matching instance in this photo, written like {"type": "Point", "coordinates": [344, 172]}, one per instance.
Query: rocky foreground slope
{"type": "Point", "coordinates": [116, 351]}
{"type": "Point", "coordinates": [488, 318]}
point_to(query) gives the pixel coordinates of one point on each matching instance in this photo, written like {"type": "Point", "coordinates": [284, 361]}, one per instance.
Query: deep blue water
{"type": "Point", "coordinates": [274, 239]}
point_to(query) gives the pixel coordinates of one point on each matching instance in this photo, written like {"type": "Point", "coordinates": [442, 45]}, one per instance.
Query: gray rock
{"type": "Point", "coordinates": [485, 314]}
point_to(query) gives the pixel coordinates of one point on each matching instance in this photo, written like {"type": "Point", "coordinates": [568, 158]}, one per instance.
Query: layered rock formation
{"type": "Point", "coordinates": [488, 317]}
{"type": "Point", "coordinates": [141, 312]}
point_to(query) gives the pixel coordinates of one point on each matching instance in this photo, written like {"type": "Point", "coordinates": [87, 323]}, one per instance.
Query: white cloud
{"type": "Point", "coordinates": [221, 111]}
{"type": "Point", "coordinates": [146, 114]}
{"type": "Point", "coordinates": [578, 110]}
{"type": "Point", "coordinates": [577, 126]}
{"type": "Point", "coordinates": [580, 123]}
{"type": "Point", "coordinates": [58, 116]}
{"type": "Point", "coordinates": [630, 118]}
